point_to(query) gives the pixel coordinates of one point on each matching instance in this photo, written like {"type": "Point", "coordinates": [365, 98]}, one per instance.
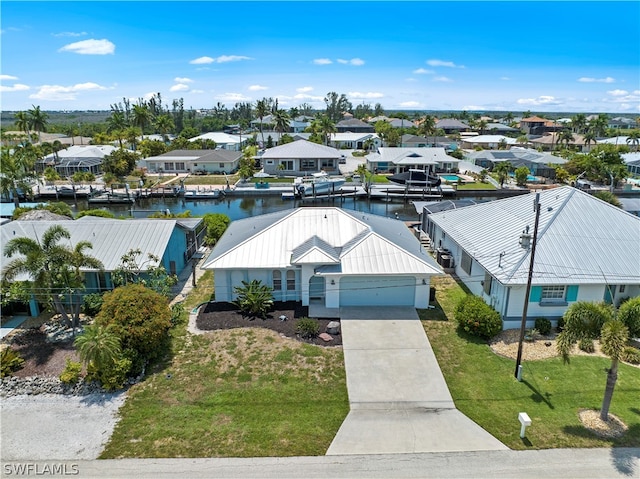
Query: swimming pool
{"type": "Point", "coordinates": [450, 178]}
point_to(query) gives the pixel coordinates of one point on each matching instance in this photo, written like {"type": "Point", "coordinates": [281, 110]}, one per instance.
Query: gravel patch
{"type": "Point", "coordinates": [51, 426]}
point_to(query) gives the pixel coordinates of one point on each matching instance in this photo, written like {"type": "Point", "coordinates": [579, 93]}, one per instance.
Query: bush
{"type": "Point", "coordinates": [586, 345]}
{"type": "Point", "coordinates": [560, 326]}
{"type": "Point", "coordinates": [92, 304]}
{"type": "Point", "coordinates": [10, 361]}
{"type": "Point", "coordinates": [630, 355]}
{"type": "Point", "coordinates": [71, 373]}
{"type": "Point", "coordinates": [629, 314]}
{"type": "Point", "coordinates": [307, 328]}
{"type": "Point", "coordinates": [113, 376]}
{"type": "Point", "coordinates": [477, 318]}
{"type": "Point", "coordinates": [254, 298]}
{"type": "Point", "coordinates": [587, 317]}
{"type": "Point", "coordinates": [543, 325]}
{"type": "Point", "coordinates": [177, 314]}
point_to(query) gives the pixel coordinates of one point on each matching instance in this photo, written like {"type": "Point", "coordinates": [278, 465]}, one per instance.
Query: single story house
{"type": "Point", "coordinates": [193, 161]}
{"type": "Point", "coordinates": [488, 141]}
{"type": "Point", "coordinates": [553, 141]}
{"type": "Point", "coordinates": [539, 163]}
{"type": "Point", "coordinates": [632, 161]}
{"type": "Point", "coordinates": [225, 141]}
{"type": "Point", "coordinates": [330, 257]}
{"type": "Point", "coordinates": [173, 241]}
{"type": "Point", "coordinates": [355, 141]}
{"type": "Point", "coordinates": [353, 125]}
{"type": "Point", "coordinates": [415, 141]}
{"type": "Point", "coordinates": [300, 157]}
{"type": "Point", "coordinates": [398, 160]}
{"type": "Point", "coordinates": [74, 159]}
{"type": "Point", "coordinates": [451, 125]}
{"type": "Point", "coordinates": [586, 250]}
{"type": "Point", "coordinates": [537, 126]}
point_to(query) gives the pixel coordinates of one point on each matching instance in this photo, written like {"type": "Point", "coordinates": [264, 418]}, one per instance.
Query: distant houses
{"type": "Point", "coordinates": [193, 161]}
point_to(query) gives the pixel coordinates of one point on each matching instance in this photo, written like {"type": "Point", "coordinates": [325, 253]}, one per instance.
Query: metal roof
{"type": "Point", "coordinates": [581, 239]}
{"type": "Point", "coordinates": [363, 243]}
{"type": "Point", "coordinates": [413, 156]}
{"type": "Point", "coordinates": [110, 238]}
{"type": "Point", "coordinates": [301, 149]}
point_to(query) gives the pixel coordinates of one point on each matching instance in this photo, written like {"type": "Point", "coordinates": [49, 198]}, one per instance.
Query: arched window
{"type": "Point", "coordinates": [277, 280]}
{"type": "Point", "coordinates": [291, 280]}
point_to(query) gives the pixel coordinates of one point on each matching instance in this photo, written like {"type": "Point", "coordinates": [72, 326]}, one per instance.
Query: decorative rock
{"type": "Point", "coordinates": [333, 327]}
{"type": "Point", "coordinates": [325, 337]}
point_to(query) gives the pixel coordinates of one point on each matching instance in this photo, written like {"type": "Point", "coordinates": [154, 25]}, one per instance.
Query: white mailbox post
{"type": "Point", "coordinates": [525, 420]}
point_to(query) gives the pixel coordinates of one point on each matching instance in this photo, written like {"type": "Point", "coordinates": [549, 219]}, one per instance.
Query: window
{"type": "Point", "coordinates": [287, 164]}
{"type": "Point", "coordinates": [307, 164]}
{"type": "Point", "coordinates": [622, 288]}
{"type": "Point", "coordinates": [180, 165]}
{"type": "Point", "coordinates": [168, 166]}
{"type": "Point", "coordinates": [327, 164]}
{"type": "Point", "coordinates": [269, 162]}
{"type": "Point", "coordinates": [277, 281]}
{"type": "Point", "coordinates": [465, 262]}
{"type": "Point", "coordinates": [102, 281]}
{"type": "Point", "coordinates": [221, 165]}
{"type": "Point", "coordinates": [486, 284]}
{"type": "Point", "coordinates": [552, 294]}
{"type": "Point", "coordinates": [291, 280]}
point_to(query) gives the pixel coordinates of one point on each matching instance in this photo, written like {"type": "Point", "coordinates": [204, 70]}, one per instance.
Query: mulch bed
{"type": "Point", "coordinates": [227, 316]}
{"type": "Point", "coordinates": [41, 358]}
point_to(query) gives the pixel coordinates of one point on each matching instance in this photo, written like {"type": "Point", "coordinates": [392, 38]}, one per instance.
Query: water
{"type": "Point", "coordinates": [452, 178]}
{"type": "Point", "coordinates": [244, 207]}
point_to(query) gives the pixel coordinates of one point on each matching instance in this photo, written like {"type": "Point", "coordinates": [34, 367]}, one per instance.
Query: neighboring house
{"type": "Point", "coordinates": [622, 123]}
{"type": "Point", "coordinates": [398, 160]}
{"type": "Point", "coordinates": [500, 128]}
{"type": "Point", "coordinates": [332, 257]}
{"type": "Point", "coordinates": [587, 250]}
{"type": "Point", "coordinates": [536, 126]}
{"type": "Point", "coordinates": [353, 125]}
{"type": "Point", "coordinates": [451, 125]}
{"type": "Point", "coordinates": [354, 141]}
{"type": "Point", "coordinates": [539, 163]}
{"type": "Point", "coordinates": [300, 157]}
{"type": "Point", "coordinates": [414, 141]}
{"type": "Point", "coordinates": [193, 161]}
{"type": "Point", "coordinates": [173, 241]}
{"type": "Point", "coordinates": [225, 141]}
{"type": "Point", "coordinates": [87, 158]}
{"type": "Point", "coordinates": [632, 161]}
{"type": "Point", "coordinates": [401, 123]}
{"type": "Point", "coordinates": [296, 125]}
{"type": "Point", "coordinates": [488, 141]}
{"type": "Point", "coordinates": [553, 141]}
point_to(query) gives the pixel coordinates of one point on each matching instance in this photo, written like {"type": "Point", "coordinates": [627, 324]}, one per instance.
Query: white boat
{"type": "Point", "coordinates": [203, 194]}
{"type": "Point", "coordinates": [318, 184]}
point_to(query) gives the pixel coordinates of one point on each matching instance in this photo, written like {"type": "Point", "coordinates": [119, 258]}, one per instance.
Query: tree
{"type": "Point", "coordinates": [148, 272]}
{"type": "Point", "coordinates": [254, 298]}
{"type": "Point", "coordinates": [149, 148]}
{"type": "Point", "coordinates": [584, 320]}
{"type": "Point", "coordinates": [633, 139]}
{"type": "Point", "coordinates": [629, 314]}
{"type": "Point", "coordinates": [164, 124]}
{"type": "Point", "coordinates": [216, 224]}
{"type": "Point", "coordinates": [247, 165]}
{"type": "Point", "coordinates": [120, 162]}
{"type": "Point", "coordinates": [579, 123]}
{"type": "Point", "coordinates": [337, 106]}
{"type": "Point", "coordinates": [323, 126]}
{"type": "Point", "coordinates": [98, 346]}
{"type": "Point", "coordinates": [428, 126]}
{"type": "Point", "coordinates": [608, 197]}
{"type": "Point", "coordinates": [22, 122]}
{"type": "Point", "coordinates": [116, 125]}
{"type": "Point", "coordinates": [16, 172]}
{"type": "Point", "coordinates": [262, 110]}
{"type": "Point", "coordinates": [50, 174]}
{"type": "Point", "coordinates": [502, 169]}
{"type": "Point", "coordinates": [589, 137]}
{"type": "Point", "coordinates": [521, 174]}
{"type": "Point", "coordinates": [281, 120]}
{"type": "Point", "coordinates": [141, 116]}
{"type": "Point", "coordinates": [38, 120]}
{"type": "Point", "coordinates": [566, 137]}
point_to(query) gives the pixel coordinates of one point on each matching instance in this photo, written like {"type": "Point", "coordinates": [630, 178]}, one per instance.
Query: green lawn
{"type": "Point", "coordinates": [476, 186]}
{"type": "Point", "coordinates": [552, 393]}
{"type": "Point", "coordinates": [234, 393]}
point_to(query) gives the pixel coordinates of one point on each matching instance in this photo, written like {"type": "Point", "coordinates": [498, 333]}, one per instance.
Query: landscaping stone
{"type": "Point", "coordinates": [333, 327]}
{"type": "Point", "coordinates": [325, 337]}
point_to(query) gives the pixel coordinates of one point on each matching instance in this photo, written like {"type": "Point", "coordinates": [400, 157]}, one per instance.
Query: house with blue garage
{"type": "Point", "coordinates": [172, 241]}
{"type": "Point", "coordinates": [324, 257]}
{"type": "Point", "coordinates": [586, 250]}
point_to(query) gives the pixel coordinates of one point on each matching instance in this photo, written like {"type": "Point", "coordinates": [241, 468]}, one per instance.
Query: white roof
{"type": "Point", "coordinates": [412, 156]}
{"type": "Point", "coordinates": [348, 136]}
{"type": "Point", "coordinates": [220, 138]}
{"type": "Point", "coordinates": [491, 139]}
{"type": "Point", "coordinates": [338, 241]}
{"type": "Point", "coordinates": [85, 151]}
{"type": "Point", "coordinates": [581, 239]}
{"type": "Point", "coordinates": [301, 149]}
{"type": "Point", "coordinates": [616, 140]}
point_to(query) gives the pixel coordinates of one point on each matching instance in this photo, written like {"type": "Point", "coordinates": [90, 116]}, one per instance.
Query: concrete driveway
{"type": "Point", "coordinates": [399, 399]}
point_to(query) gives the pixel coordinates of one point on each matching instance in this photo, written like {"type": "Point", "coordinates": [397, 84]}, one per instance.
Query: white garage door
{"type": "Point", "coordinates": [377, 291]}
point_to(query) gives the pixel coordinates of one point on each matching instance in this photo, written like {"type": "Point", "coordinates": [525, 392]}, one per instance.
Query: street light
{"type": "Point", "coordinates": [525, 244]}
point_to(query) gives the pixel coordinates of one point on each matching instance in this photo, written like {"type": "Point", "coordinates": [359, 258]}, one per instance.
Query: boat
{"type": "Point", "coordinates": [162, 191]}
{"type": "Point", "coordinates": [318, 184]}
{"type": "Point", "coordinates": [416, 178]}
{"type": "Point", "coordinates": [203, 194]}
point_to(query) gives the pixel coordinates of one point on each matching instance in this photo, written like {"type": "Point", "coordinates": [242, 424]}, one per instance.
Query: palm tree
{"type": "Point", "coordinates": [428, 126]}
{"type": "Point", "coordinates": [281, 119]}
{"type": "Point", "coordinates": [502, 169]}
{"type": "Point", "coordinates": [141, 116]}
{"type": "Point", "coordinates": [262, 110]}
{"type": "Point", "coordinates": [116, 125]}
{"type": "Point", "coordinates": [566, 137]}
{"type": "Point", "coordinates": [98, 346]}
{"type": "Point", "coordinates": [324, 126]}
{"type": "Point", "coordinates": [38, 120]}
{"type": "Point", "coordinates": [589, 137]}
{"type": "Point", "coordinates": [599, 124]}
{"type": "Point", "coordinates": [579, 123]}
{"type": "Point", "coordinates": [634, 139]}
{"type": "Point", "coordinates": [164, 124]}
{"type": "Point", "coordinates": [586, 321]}
{"type": "Point", "coordinates": [22, 122]}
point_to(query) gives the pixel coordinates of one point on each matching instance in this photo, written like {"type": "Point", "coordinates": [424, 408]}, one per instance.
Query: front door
{"type": "Point", "coordinates": [316, 287]}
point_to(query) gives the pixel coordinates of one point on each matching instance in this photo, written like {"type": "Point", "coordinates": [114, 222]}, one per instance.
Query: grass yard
{"type": "Point", "coordinates": [234, 393]}
{"type": "Point", "coordinates": [475, 186]}
{"type": "Point", "coordinates": [552, 393]}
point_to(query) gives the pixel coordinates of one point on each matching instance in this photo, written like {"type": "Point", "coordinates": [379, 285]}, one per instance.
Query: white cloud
{"type": "Point", "coordinates": [596, 80]}
{"type": "Point", "coordinates": [541, 100]}
{"type": "Point", "coordinates": [423, 71]}
{"type": "Point", "coordinates": [322, 61]}
{"type": "Point", "coordinates": [70, 34]}
{"type": "Point", "coordinates": [618, 92]}
{"type": "Point", "coordinates": [64, 93]}
{"type": "Point", "coordinates": [257, 88]}
{"type": "Point", "coordinates": [623, 96]}
{"type": "Point", "coordinates": [182, 80]}
{"type": "Point", "coordinates": [232, 97]}
{"type": "Point", "coordinates": [7, 77]}
{"type": "Point", "coordinates": [442, 79]}
{"type": "Point", "coordinates": [15, 87]}
{"type": "Point", "coordinates": [409, 104]}
{"type": "Point", "coordinates": [202, 61]}
{"type": "Point", "coordinates": [90, 47]}
{"type": "Point", "coordinates": [442, 63]}
{"type": "Point", "coordinates": [304, 89]}
{"type": "Point", "coordinates": [179, 87]}
{"type": "Point", "coordinates": [303, 96]}
{"type": "Point", "coordinates": [196, 91]}
{"type": "Point", "coordinates": [505, 78]}
{"type": "Point", "coordinates": [367, 95]}
{"type": "Point", "coordinates": [354, 61]}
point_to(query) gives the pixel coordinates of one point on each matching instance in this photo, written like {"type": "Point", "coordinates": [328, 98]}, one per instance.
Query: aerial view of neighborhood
{"type": "Point", "coordinates": [319, 239]}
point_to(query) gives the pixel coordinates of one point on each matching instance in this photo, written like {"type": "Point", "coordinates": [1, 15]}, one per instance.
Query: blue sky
{"type": "Point", "coordinates": [510, 55]}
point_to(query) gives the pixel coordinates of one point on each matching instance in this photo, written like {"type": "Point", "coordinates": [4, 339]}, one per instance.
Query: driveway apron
{"type": "Point", "coordinates": [399, 399]}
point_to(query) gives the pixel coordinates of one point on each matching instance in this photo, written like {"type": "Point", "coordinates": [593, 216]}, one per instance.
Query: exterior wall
{"type": "Point", "coordinates": [175, 251]}
{"type": "Point", "coordinates": [421, 300]}
{"type": "Point", "coordinates": [189, 166]}
{"type": "Point", "coordinates": [271, 166]}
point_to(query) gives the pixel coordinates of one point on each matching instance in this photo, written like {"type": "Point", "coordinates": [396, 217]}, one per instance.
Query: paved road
{"type": "Point", "coordinates": [547, 464]}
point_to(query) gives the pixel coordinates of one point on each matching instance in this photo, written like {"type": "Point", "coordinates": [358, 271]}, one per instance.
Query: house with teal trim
{"type": "Point", "coordinates": [172, 241]}
{"type": "Point", "coordinates": [586, 250]}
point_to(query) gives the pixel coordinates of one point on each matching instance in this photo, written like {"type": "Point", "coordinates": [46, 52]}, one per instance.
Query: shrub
{"type": "Point", "coordinates": [586, 345]}
{"type": "Point", "coordinates": [560, 326]}
{"type": "Point", "coordinates": [10, 361]}
{"type": "Point", "coordinates": [307, 328]}
{"type": "Point", "coordinates": [177, 314]}
{"type": "Point", "coordinates": [543, 325]}
{"type": "Point", "coordinates": [113, 376]}
{"type": "Point", "coordinates": [254, 298]}
{"type": "Point", "coordinates": [631, 355]}
{"type": "Point", "coordinates": [92, 304]}
{"type": "Point", "coordinates": [629, 314]}
{"type": "Point", "coordinates": [587, 317]}
{"type": "Point", "coordinates": [71, 373]}
{"type": "Point", "coordinates": [477, 318]}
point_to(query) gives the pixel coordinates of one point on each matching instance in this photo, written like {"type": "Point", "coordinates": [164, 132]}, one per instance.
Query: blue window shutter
{"type": "Point", "coordinates": [536, 294]}
{"type": "Point", "coordinates": [572, 292]}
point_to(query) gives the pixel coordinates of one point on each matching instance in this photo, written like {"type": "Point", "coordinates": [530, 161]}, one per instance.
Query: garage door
{"type": "Point", "coordinates": [377, 291]}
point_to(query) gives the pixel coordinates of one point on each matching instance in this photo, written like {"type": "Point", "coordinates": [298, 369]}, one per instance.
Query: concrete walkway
{"type": "Point", "coordinates": [399, 399]}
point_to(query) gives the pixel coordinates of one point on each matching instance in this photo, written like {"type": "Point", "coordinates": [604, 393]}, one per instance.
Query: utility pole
{"type": "Point", "coordinates": [524, 242]}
